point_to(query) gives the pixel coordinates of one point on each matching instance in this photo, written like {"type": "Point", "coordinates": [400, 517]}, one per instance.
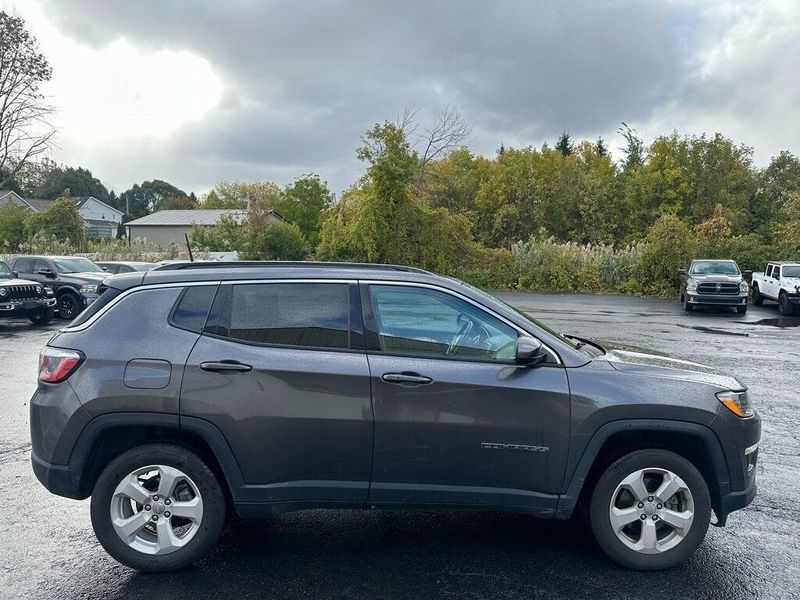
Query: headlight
{"type": "Point", "coordinates": [39, 290]}
{"type": "Point", "coordinates": [743, 287]}
{"type": "Point", "coordinates": [737, 402]}
{"type": "Point", "coordinates": [691, 285]}
{"type": "Point", "coordinates": [48, 290]}
{"type": "Point", "coordinates": [89, 288]}
{"type": "Point", "coordinates": [3, 292]}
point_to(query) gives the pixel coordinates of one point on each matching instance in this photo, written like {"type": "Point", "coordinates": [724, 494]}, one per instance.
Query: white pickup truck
{"type": "Point", "coordinates": [780, 282]}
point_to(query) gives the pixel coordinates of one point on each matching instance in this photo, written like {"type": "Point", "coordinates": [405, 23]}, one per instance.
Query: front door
{"type": "Point", "coordinates": [278, 372]}
{"type": "Point", "coordinates": [456, 421]}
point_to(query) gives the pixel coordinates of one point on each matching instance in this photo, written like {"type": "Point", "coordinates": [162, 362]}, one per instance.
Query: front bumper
{"type": "Point", "coordinates": [740, 440]}
{"type": "Point", "coordinates": [716, 299]}
{"type": "Point", "coordinates": [10, 307]}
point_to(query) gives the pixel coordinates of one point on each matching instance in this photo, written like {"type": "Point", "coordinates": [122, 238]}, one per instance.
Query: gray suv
{"type": "Point", "coordinates": [262, 388]}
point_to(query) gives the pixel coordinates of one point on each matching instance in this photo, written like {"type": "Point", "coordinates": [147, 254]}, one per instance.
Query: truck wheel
{"type": "Point", "coordinates": [69, 305]}
{"type": "Point", "coordinates": [157, 507]}
{"type": "Point", "coordinates": [650, 510]}
{"type": "Point", "coordinates": [784, 306]}
{"type": "Point", "coordinates": [758, 297]}
{"type": "Point", "coordinates": [686, 306]}
{"type": "Point", "coordinates": [42, 316]}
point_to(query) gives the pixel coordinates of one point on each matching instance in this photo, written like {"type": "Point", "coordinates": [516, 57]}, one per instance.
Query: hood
{"type": "Point", "coordinates": [89, 277]}
{"type": "Point", "coordinates": [791, 282]}
{"type": "Point", "coordinates": [5, 282]}
{"type": "Point", "coordinates": [651, 365]}
{"type": "Point", "coordinates": [714, 278]}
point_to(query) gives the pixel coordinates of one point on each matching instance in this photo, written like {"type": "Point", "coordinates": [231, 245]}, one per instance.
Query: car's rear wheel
{"type": "Point", "coordinates": [650, 509]}
{"type": "Point", "coordinates": [42, 316]}
{"type": "Point", "coordinates": [157, 507]}
{"type": "Point", "coordinates": [69, 305]}
{"type": "Point", "coordinates": [784, 306]}
{"type": "Point", "coordinates": [758, 297]}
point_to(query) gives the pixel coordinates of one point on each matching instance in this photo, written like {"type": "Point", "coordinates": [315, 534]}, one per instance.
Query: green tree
{"type": "Point", "coordinates": [79, 181]}
{"type": "Point", "coordinates": [148, 197]}
{"type": "Point", "coordinates": [228, 235]}
{"type": "Point", "coordinates": [778, 181]}
{"type": "Point", "coordinates": [239, 195]}
{"type": "Point", "coordinates": [453, 181]}
{"type": "Point", "coordinates": [564, 144]}
{"type": "Point", "coordinates": [60, 221]}
{"type": "Point", "coordinates": [12, 227]}
{"type": "Point", "coordinates": [669, 247]}
{"type": "Point", "coordinates": [302, 204]}
{"type": "Point", "coordinates": [278, 241]}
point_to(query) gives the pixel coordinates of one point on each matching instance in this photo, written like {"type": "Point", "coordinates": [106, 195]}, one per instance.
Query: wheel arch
{"type": "Point", "coordinates": [107, 436]}
{"type": "Point", "coordinates": [694, 442]}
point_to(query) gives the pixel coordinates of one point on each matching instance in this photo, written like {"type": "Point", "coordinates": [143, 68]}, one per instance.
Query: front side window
{"type": "Point", "coordinates": [312, 315]}
{"type": "Point", "coordinates": [24, 265]}
{"type": "Point", "coordinates": [424, 322]}
{"type": "Point", "coordinates": [5, 272]}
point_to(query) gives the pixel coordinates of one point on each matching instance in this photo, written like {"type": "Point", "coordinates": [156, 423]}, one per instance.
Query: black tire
{"type": "Point", "coordinates": [741, 309]}
{"type": "Point", "coordinates": [685, 302]}
{"type": "Point", "coordinates": [784, 306]}
{"type": "Point", "coordinates": [601, 501]}
{"type": "Point", "coordinates": [69, 306]}
{"type": "Point", "coordinates": [213, 506]}
{"type": "Point", "coordinates": [42, 316]}
{"type": "Point", "coordinates": [758, 297]}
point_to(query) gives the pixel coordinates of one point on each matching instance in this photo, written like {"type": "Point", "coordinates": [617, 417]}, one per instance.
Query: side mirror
{"type": "Point", "coordinates": [529, 352]}
{"type": "Point", "coordinates": [681, 271]}
{"type": "Point", "coordinates": [14, 274]}
{"type": "Point", "coordinates": [46, 273]}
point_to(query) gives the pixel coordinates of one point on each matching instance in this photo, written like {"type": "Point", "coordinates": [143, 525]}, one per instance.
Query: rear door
{"type": "Point", "coordinates": [281, 371]}
{"type": "Point", "coordinates": [456, 421]}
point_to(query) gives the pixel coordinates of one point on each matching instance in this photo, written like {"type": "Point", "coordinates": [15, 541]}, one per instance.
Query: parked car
{"type": "Point", "coordinates": [780, 281]}
{"type": "Point", "coordinates": [74, 279]}
{"type": "Point", "coordinates": [115, 266]}
{"type": "Point", "coordinates": [713, 283]}
{"type": "Point", "coordinates": [23, 298]}
{"type": "Point", "coordinates": [372, 386]}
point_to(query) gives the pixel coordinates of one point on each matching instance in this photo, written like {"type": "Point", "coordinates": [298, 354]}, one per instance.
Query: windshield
{"type": "Point", "coordinates": [5, 272]}
{"type": "Point", "coordinates": [492, 300]}
{"type": "Point", "coordinates": [791, 271]}
{"type": "Point", "coordinates": [76, 265]}
{"type": "Point", "coordinates": [143, 266]}
{"type": "Point", "coordinates": [714, 267]}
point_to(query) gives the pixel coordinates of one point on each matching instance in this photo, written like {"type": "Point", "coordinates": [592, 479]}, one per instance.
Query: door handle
{"type": "Point", "coordinates": [414, 378]}
{"type": "Point", "coordinates": [225, 365]}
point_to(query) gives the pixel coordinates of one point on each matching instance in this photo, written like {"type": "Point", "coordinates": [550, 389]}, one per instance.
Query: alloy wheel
{"type": "Point", "coordinates": [651, 510]}
{"type": "Point", "coordinates": [156, 509]}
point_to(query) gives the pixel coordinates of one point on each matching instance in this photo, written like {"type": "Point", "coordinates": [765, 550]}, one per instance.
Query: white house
{"type": "Point", "coordinates": [100, 219]}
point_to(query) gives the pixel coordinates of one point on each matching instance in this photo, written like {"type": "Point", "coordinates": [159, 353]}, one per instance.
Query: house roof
{"type": "Point", "coordinates": [200, 216]}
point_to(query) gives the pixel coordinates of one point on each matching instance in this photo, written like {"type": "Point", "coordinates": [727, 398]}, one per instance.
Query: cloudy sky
{"type": "Point", "coordinates": [200, 91]}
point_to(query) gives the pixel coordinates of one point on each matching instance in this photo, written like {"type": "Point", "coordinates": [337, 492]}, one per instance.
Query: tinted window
{"type": "Point", "coordinates": [192, 308]}
{"type": "Point", "coordinates": [40, 264]}
{"type": "Point", "coordinates": [313, 315]}
{"type": "Point", "coordinates": [714, 267]}
{"type": "Point", "coordinates": [425, 322]}
{"type": "Point", "coordinates": [107, 295]}
{"type": "Point", "coordinates": [23, 265]}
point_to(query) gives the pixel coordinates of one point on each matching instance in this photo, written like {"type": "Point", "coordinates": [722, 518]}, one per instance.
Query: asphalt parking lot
{"type": "Point", "coordinates": [48, 549]}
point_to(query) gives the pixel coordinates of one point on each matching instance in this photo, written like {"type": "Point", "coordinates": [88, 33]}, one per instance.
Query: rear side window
{"type": "Point", "coordinates": [192, 308]}
{"type": "Point", "coordinates": [311, 315]}
{"type": "Point", "coordinates": [24, 265]}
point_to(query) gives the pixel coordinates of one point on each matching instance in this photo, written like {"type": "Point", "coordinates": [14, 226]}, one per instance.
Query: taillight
{"type": "Point", "coordinates": [56, 365]}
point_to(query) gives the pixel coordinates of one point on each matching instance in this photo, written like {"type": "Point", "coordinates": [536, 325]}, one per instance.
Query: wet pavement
{"type": "Point", "coordinates": [48, 550]}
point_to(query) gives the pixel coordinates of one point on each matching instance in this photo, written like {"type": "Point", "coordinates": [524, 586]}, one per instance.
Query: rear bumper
{"type": "Point", "coordinates": [61, 480]}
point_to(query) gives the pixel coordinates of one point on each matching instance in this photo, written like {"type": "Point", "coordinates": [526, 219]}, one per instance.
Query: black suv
{"type": "Point", "coordinates": [74, 279]}
{"type": "Point", "coordinates": [268, 388]}
{"type": "Point", "coordinates": [22, 298]}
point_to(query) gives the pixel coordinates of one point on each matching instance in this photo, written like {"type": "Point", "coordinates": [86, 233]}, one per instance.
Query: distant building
{"type": "Point", "coordinates": [100, 219]}
{"type": "Point", "coordinates": [170, 226]}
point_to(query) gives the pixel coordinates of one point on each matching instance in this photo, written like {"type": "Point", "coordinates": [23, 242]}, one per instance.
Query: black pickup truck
{"type": "Point", "coordinates": [20, 297]}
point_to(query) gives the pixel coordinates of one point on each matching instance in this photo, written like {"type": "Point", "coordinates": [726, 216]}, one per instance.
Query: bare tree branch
{"type": "Point", "coordinates": [25, 131]}
{"type": "Point", "coordinates": [448, 132]}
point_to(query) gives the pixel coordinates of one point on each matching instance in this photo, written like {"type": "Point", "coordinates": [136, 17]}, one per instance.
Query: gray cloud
{"type": "Point", "coordinates": [304, 79]}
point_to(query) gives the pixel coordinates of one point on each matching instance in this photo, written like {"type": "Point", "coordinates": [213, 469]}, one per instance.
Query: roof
{"type": "Point", "coordinates": [199, 216]}
{"type": "Point", "coordinates": [784, 262]}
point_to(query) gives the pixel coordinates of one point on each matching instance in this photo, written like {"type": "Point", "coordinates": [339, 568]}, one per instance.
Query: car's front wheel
{"type": "Point", "coordinates": [69, 305]}
{"type": "Point", "coordinates": [42, 316]}
{"type": "Point", "coordinates": [157, 507]}
{"type": "Point", "coordinates": [784, 306]}
{"type": "Point", "coordinates": [650, 509]}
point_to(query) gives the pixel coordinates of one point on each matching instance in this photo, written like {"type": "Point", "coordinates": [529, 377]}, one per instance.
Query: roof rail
{"type": "Point", "coordinates": [301, 264]}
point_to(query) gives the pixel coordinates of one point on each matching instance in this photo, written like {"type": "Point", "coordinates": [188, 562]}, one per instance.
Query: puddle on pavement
{"type": "Point", "coordinates": [714, 330]}
{"type": "Point", "coordinates": [778, 322]}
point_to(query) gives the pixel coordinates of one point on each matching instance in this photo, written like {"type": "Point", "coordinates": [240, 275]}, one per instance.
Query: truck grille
{"type": "Point", "coordinates": [718, 288]}
{"type": "Point", "coordinates": [20, 292]}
